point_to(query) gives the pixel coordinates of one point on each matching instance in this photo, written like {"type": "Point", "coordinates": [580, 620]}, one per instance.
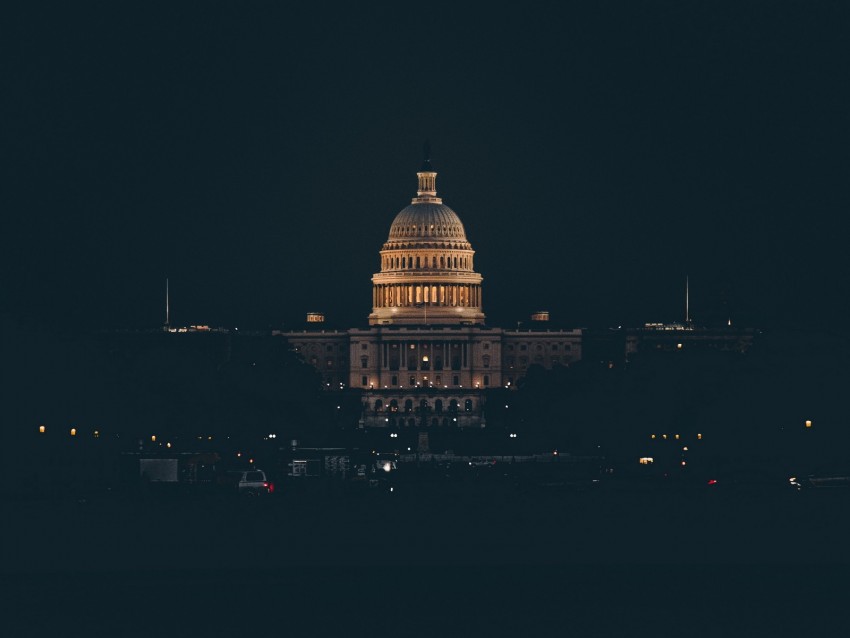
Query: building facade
{"type": "Point", "coordinates": [427, 358]}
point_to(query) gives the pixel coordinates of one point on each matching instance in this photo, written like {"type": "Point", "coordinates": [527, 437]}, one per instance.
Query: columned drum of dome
{"type": "Point", "coordinates": [427, 274]}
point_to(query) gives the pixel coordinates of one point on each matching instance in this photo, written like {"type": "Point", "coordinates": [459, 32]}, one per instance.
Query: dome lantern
{"type": "Point", "coordinates": [427, 191]}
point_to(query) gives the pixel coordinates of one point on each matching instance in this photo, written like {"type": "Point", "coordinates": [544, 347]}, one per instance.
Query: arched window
{"type": "Point", "coordinates": [467, 405]}
{"type": "Point", "coordinates": [408, 406]}
{"type": "Point", "coordinates": [433, 262]}
{"type": "Point", "coordinates": [418, 263]}
{"type": "Point", "coordinates": [378, 405]}
{"type": "Point", "coordinates": [393, 406]}
{"type": "Point", "coordinates": [423, 404]}
{"type": "Point", "coordinates": [438, 406]}
{"type": "Point", "coordinates": [442, 262]}
{"type": "Point", "coordinates": [453, 405]}
{"type": "Point", "coordinates": [404, 262]}
{"type": "Point", "coordinates": [486, 380]}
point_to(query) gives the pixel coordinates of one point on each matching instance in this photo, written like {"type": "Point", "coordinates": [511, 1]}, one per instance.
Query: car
{"type": "Point", "coordinates": [819, 480]}
{"type": "Point", "coordinates": [248, 482]}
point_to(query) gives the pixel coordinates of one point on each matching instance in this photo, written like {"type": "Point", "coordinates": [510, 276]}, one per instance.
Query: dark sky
{"type": "Point", "coordinates": [256, 154]}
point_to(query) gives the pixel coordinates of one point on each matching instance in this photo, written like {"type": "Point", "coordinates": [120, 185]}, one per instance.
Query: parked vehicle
{"type": "Point", "coordinates": [247, 482]}
{"type": "Point", "coordinates": [825, 479]}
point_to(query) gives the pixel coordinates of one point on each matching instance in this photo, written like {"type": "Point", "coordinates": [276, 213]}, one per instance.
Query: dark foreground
{"type": "Point", "coordinates": [425, 559]}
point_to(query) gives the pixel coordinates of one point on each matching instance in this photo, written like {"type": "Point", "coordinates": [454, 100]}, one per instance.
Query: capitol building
{"type": "Point", "coordinates": [428, 357]}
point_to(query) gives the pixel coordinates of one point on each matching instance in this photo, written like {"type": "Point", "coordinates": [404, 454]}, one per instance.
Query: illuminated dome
{"type": "Point", "coordinates": [426, 220]}
{"type": "Point", "coordinates": [427, 275]}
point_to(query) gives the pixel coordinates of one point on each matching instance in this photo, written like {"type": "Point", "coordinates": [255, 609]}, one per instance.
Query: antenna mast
{"type": "Point", "coordinates": [687, 302]}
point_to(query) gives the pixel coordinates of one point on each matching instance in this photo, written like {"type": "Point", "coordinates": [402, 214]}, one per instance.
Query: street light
{"type": "Point", "coordinates": [41, 429]}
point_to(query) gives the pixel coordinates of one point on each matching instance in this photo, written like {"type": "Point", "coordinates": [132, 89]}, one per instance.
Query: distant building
{"type": "Point", "coordinates": [427, 356]}
{"type": "Point", "coordinates": [676, 336]}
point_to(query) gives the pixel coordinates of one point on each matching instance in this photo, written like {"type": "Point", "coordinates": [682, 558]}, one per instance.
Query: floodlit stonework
{"type": "Point", "coordinates": [427, 273]}
{"type": "Point", "coordinates": [427, 357]}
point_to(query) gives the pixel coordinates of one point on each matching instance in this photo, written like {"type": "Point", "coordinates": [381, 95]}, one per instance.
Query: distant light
{"type": "Point", "coordinates": [168, 444]}
{"type": "Point", "coordinates": [699, 437]}
{"type": "Point", "coordinates": [679, 346]}
{"type": "Point", "coordinates": [96, 434]}
{"type": "Point", "coordinates": [712, 482]}
{"type": "Point", "coordinates": [677, 437]}
{"type": "Point", "coordinates": [684, 463]}
{"type": "Point", "coordinates": [251, 461]}
{"type": "Point", "coordinates": [555, 453]}
{"type": "Point", "coordinates": [153, 438]}
{"type": "Point", "coordinates": [646, 460]}
{"type": "Point", "coordinates": [808, 423]}
{"type": "Point", "coordinates": [239, 454]}
{"type": "Point", "coordinates": [41, 429]}
{"type": "Point", "coordinates": [73, 431]}
{"type": "Point", "coordinates": [685, 449]}
{"type": "Point", "coordinates": [664, 436]}
{"type": "Point", "coordinates": [651, 436]}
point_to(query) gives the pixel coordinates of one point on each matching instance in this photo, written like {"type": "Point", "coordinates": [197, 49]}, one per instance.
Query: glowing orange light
{"type": "Point", "coordinates": [41, 429]}
{"type": "Point", "coordinates": [73, 431]}
{"type": "Point", "coordinates": [808, 423]}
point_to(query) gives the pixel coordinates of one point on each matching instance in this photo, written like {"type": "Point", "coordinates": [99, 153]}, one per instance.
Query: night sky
{"type": "Point", "coordinates": [256, 153]}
